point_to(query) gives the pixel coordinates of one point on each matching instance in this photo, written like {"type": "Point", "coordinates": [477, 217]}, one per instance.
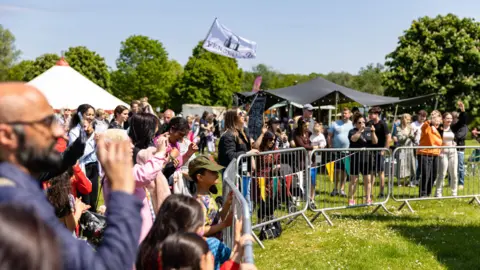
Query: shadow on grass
{"type": "Point", "coordinates": [376, 217]}
{"type": "Point", "coordinates": [456, 247]}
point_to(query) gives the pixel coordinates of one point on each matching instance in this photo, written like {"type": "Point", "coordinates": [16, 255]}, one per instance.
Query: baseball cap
{"type": "Point", "coordinates": [203, 162]}
{"type": "Point", "coordinates": [274, 120]}
{"type": "Point", "coordinates": [308, 107]}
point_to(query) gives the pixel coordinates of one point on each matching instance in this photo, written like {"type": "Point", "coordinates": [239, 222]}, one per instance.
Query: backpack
{"type": "Point", "coordinates": [270, 231]}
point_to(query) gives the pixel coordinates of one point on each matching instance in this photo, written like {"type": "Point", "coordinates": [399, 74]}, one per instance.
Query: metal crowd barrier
{"type": "Point", "coordinates": [337, 177]}
{"type": "Point", "coordinates": [275, 186]}
{"type": "Point", "coordinates": [433, 173]}
{"type": "Point", "coordinates": [240, 211]}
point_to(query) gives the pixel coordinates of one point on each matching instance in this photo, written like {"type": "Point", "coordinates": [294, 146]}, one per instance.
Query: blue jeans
{"type": "Point", "coordinates": [461, 167]}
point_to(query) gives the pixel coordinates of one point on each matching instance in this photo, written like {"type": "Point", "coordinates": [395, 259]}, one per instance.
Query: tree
{"type": "Point", "coordinates": [40, 65]}
{"type": "Point", "coordinates": [8, 52]}
{"type": "Point", "coordinates": [437, 55]}
{"type": "Point", "coordinates": [19, 71]}
{"type": "Point", "coordinates": [143, 69]}
{"type": "Point", "coordinates": [369, 79]}
{"type": "Point", "coordinates": [90, 64]}
{"type": "Point", "coordinates": [342, 78]}
{"type": "Point", "coordinates": [208, 79]}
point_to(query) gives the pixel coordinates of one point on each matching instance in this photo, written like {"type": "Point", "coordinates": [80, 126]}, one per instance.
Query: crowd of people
{"type": "Point", "coordinates": [54, 171]}
{"type": "Point", "coordinates": [159, 188]}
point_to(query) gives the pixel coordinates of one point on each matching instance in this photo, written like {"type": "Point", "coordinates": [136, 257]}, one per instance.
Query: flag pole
{"type": "Point", "coordinates": [205, 39]}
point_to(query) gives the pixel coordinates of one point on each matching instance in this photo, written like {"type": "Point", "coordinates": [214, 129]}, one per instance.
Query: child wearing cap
{"type": "Point", "coordinates": [204, 172]}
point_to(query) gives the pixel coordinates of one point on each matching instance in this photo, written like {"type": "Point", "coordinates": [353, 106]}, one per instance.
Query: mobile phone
{"type": "Point", "coordinates": [83, 133]}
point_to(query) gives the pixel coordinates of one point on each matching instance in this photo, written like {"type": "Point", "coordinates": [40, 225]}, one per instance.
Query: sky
{"type": "Point", "coordinates": [301, 36]}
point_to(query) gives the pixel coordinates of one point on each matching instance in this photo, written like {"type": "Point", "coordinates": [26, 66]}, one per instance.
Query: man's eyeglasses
{"type": "Point", "coordinates": [47, 121]}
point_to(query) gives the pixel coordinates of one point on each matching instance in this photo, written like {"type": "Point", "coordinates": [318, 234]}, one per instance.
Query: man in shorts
{"type": "Point", "coordinates": [338, 138]}
{"type": "Point", "coordinates": [384, 138]}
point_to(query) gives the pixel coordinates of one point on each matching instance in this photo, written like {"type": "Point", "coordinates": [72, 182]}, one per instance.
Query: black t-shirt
{"type": "Point", "coordinates": [365, 139]}
{"type": "Point", "coordinates": [381, 130]}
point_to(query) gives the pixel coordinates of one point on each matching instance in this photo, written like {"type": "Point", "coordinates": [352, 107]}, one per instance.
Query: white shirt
{"type": "Point", "coordinates": [417, 127]}
{"type": "Point", "coordinates": [318, 140]}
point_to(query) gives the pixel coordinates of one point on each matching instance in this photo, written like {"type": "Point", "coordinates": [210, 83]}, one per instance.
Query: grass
{"type": "Point", "coordinates": [442, 234]}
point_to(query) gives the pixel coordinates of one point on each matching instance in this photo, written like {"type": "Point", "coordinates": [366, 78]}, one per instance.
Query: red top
{"type": "Point", "coordinates": [230, 265]}
{"type": "Point", "coordinates": [80, 182]}
{"type": "Point", "coordinates": [62, 62]}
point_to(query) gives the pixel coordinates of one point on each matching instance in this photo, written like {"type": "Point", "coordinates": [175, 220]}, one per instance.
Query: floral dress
{"type": "Point", "coordinates": [211, 212]}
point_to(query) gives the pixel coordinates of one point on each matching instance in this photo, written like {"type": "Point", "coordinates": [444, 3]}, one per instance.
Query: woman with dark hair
{"type": "Point", "coordinates": [186, 251]}
{"type": "Point", "coordinates": [88, 162]}
{"type": "Point", "coordinates": [204, 128]}
{"type": "Point", "coordinates": [302, 135]}
{"type": "Point", "coordinates": [27, 243]}
{"type": "Point", "coordinates": [178, 129]}
{"type": "Point", "coordinates": [178, 214]}
{"type": "Point", "coordinates": [120, 116]}
{"type": "Point", "coordinates": [142, 129]}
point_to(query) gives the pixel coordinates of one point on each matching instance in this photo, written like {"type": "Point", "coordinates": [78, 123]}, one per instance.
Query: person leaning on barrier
{"type": "Point", "coordinates": [459, 127]}
{"type": "Point", "coordinates": [27, 143]}
{"type": "Point", "coordinates": [361, 162]}
{"type": "Point", "coordinates": [428, 157]}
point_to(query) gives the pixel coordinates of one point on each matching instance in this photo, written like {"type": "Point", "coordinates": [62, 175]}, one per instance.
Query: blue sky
{"type": "Point", "coordinates": [301, 36]}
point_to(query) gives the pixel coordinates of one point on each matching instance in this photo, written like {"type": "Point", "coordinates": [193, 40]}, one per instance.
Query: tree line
{"type": "Point", "coordinates": [434, 55]}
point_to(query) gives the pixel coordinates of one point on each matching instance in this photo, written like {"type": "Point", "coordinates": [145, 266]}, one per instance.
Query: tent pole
{"type": "Point", "coordinates": [336, 105]}
{"type": "Point", "coordinates": [394, 118]}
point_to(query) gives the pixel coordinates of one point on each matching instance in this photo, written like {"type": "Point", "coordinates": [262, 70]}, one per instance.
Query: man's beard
{"type": "Point", "coordinates": [37, 160]}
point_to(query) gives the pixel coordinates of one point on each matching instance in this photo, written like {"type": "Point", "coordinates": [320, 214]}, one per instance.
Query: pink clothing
{"type": "Point", "coordinates": [180, 157]}
{"type": "Point", "coordinates": [144, 174]}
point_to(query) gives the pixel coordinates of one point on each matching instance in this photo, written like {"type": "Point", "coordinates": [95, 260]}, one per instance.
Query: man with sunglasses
{"type": "Point", "coordinates": [28, 135]}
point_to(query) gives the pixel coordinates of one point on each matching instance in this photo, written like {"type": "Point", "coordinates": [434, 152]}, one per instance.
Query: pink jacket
{"type": "Point", "coordinates": [144, 175]}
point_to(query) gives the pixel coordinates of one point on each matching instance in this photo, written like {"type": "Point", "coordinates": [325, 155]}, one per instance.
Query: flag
{"type": "Point", "coordinates": [245, 186]}
{"type": "Point", "coordinates": [300, 180]}
{"type": "Point", "coordinates": [223, 41]}
{"type": "Point", "coordinates": [275, 186]}
{"type": "Point", "coordinates": [288, 182]}
{"type": "Point", "coordinates": [256, 84]}
{"type": "Point", "coordinates": [313, 176]}
{"type": "Point", "coordinates": [263, 193]}
{"type": "Point", "coordinates": [330, 170]}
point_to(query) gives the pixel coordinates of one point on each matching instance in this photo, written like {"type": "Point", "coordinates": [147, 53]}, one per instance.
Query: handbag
{"type": "Point", "coordinates": [93, 226]}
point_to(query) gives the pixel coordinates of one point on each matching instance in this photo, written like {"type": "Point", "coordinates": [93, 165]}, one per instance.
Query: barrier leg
{"type": "Point", "coordinates": [324, 214]}
{"type": "Point", "coordinates": [258, 240]}
{"type": "Point", "coordinates": [406, 203]}
{"type": "Point", "coordinates": [475, 199]}
{"type": "Point", "coordinates": [383, 207]}
{"type": "Point", "coordinates": [308, 221]}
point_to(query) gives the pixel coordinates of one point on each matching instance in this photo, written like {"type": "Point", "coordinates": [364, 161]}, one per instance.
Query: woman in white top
{"type": "Point", "coordinates": [448, 157]}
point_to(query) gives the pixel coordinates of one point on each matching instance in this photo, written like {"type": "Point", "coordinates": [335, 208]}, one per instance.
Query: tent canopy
{"type": "Point", "coordinates": [320, 91]}
{"type": "Point", "coordinates": [64, 87]}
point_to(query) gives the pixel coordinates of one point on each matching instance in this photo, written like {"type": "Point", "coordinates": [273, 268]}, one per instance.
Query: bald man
{"type": "Point", "coordinates": [167, 116]}
{"type": "Point", "coordinates": [28, 134]}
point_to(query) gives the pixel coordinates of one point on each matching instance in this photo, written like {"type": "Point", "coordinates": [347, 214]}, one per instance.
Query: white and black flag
{"type": "Point", "coordinates": [223, 41]}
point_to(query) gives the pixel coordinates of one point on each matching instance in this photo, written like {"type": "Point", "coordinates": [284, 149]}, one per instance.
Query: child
{"type": "Point", "coordinates": [210, 135]}
{"type": "Point", "coordinates": [204, 172]}
{"type": "Point", "coordinates": [317, 138]}
{"type": "Point", "coordinates": [285, 144]}
{"type": "Point", "coordinates": [318, 141]}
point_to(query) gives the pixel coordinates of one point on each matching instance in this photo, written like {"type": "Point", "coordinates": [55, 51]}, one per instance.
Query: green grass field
{"type": "Point", "coordinates": [442, 234]}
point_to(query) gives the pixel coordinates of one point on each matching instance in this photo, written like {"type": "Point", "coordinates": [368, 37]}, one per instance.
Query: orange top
{"type": "Point", "coordinates": [430, 137]}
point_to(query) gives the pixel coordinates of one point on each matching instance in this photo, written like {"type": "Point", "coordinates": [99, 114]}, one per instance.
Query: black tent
{"type": "Point", "coordinates": [320, 91]}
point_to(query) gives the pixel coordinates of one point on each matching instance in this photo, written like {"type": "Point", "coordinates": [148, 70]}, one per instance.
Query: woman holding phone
{"type": "Point", "coordinates": [361, 161]}
{"type": "Point", "coordinates": [82, 121]}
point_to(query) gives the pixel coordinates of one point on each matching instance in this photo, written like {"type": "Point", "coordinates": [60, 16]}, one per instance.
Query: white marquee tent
{"type": "Point", "coordinates": [64, 87]}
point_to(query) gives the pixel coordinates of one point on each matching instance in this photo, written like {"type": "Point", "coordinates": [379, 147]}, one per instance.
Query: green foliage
{"type": "Point", "coordinates": [8, 52]}
{"type": "Point", "coordinates": [144, 70]}
{"type": "Point", "coordinates": [208, 79]}
{"type": "Point", "coordinates": [40, 65]}
{"type": "Point", "coordinates": [19, 71]}
{"type": "Point", "coordinates": [437, 55]}
{"type": "Point", "coordinates": [89, 64]}
{"type": "Point", "coordinates": [369, 79]}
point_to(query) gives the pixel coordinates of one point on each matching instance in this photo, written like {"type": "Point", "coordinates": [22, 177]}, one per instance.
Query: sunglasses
{"type": "Point", "coordinates": [361, 122]}
{"type": "Point", "coordinates": [47, 121]}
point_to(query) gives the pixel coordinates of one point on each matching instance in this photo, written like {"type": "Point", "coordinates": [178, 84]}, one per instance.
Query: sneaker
{"type": "Point", "coordinates": [342, 193]}
{"type": "Point", "coordinates": [460, 187]}
{"type": "Point", "coordinates": [454, 194]}
{"type": "Point", "coordinates": [369, 202]}
{"type": "Point", "coordinates": [334, 193]}
{"type": "Point", "coordinates": [351, 202]}
{"type": "Point", "coordinates": [438, 195]}
{"type": "Point", "coordinates": [312, 205]}
{"type": "Point", "coordinates": [412, 184]}
{"type": "Point", "coordinates": [381, 195]}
